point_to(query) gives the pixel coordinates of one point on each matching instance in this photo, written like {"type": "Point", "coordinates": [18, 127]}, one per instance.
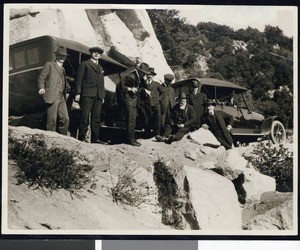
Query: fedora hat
{"type": "Point", "coordinates": [210, 102]}
{"type": "Point", "coordinates": [196, 83]}
{"type": "Point", "coordinates": [93, 49]}
{"type": "Point", "coordinates": [144, 67]}
{"type": "Point", "coordinates": [169, 77]}
{"type": "Point", "coordinates": [61, 51]}
{"type": "Point", "coordinates": [151, 70]}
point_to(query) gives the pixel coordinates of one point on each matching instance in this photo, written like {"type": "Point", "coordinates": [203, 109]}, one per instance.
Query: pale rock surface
{"type": "Point", "coordinates": [277, 218]}
{"type": "Point", "coordinates": [214, 200]}
{"type": "Point", "coordinates": [231, 163]}
{"type": "Point", "coordinates": [204, 136]}
{"type": "Point", "coordinates": [256, 184]}
{"type": "Point", "coordinates": [130, 31]}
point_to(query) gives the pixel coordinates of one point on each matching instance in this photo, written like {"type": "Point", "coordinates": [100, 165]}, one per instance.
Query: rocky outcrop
{"type": "Point", "coordinates": [214, 200]}
{"type": "Point", "coordinates": [188, 193]}
{"type": "Point", "coordinates": [273, 212]}
{"type": "Point", "coordinates": [130, 31]}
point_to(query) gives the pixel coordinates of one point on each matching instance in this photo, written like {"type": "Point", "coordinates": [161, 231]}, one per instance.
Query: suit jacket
{"type": "Point", "coordinates": [90, 80]}
{"type": "Point", "coordinates": [169, 98]}
{"type": "Point", "coordinates": [220, 118]}
{"type": "Point", "coordinates": [132, 80]}
{"type": "Point", "coordinates": [197, 101]}
{"type": "Point", "coordinates": [188, 118]}
{"type": "Point", "coordinates": [157, 92]}
{"type": "Point", "coordinates": [51, 78]}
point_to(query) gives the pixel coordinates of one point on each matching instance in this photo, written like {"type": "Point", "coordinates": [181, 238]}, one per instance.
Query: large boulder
{"type": "Point", "coordinates": [256, 184]}
{"type": "Point", "coordinates": [130, 31]}
{"type": "Point", "coordinates": [231, 163]}
{"type": "Point", "coordinates": [204, 137]}
{"type": "Point", "coordinates": [214, 200]}
{"type": "Point", "coordinates": [276, 218]}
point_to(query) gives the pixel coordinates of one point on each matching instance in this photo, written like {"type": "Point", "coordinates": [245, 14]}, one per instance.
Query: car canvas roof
{"type": "Point", "coordinates": [211, 82]}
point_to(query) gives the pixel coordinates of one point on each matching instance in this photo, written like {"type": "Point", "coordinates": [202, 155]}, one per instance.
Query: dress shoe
{"type": "Point", "coordinates": [100, 142]}
{"type": "Point", "coordinates": [161, 138]}
{"type": "Point", "coordinates": [137, 142]}
{"type": "Point", "coordinates": [171, 139]}
{"type": "Point", "coordinates": [134, 143]}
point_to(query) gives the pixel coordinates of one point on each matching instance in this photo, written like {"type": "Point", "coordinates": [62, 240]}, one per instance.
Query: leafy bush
{"type": "Point", "coordinates": [274, 162]}
{"type": "Point", "coordinates": [169, 197]}
{"type": "Point", "coordinates": [51, 168]}
{"type": "Point", "coordinates": [128, 191]}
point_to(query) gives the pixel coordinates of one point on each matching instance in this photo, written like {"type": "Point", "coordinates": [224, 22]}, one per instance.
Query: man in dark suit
{"type": "Point", "coordinates": [131, 89]}
{"type": "Point", "coordinates": [53, 87]}
{"type": "Point", "coordinates": [181, 119]}
{"type": "Point", "coordinates": [90, 93]}
{"type": "Point", "coordinates": [156, 94]}
{"type": "Point", "coordinates": [168, 102]}
{"type": "Point", "coordinates": [215, 121]}
{"type": "Point", "coordinates": [197, 100]}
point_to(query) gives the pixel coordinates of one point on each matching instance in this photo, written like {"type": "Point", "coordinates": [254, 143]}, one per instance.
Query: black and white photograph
{"type": "Point", "coordinates": [150, 120]}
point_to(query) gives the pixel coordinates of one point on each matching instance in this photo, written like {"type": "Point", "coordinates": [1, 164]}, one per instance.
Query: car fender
{"type": "Point", "coordinates": [267, 124]}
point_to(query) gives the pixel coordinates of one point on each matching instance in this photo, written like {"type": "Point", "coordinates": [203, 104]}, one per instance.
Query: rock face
{"type": "Point", "coordinates": [273, 212]}
{"type": "Point", "coordinates": [214, 200]}
{"type": "Point", "coordinates": [189, 193]}
{"type": "Point", "coordinates": [130, 31]}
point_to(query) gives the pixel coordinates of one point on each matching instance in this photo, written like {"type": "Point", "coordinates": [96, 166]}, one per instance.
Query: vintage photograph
{"type": "Point", "coordinates": [149, 120]}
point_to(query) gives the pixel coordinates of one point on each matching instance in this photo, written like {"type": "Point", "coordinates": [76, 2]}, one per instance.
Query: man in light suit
{"type": "Point", "coordinates": [53, 87]}
{"type": "Point", "coordinates": [90, 93]}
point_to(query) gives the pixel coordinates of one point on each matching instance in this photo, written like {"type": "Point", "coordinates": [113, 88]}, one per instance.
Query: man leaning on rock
{"type": "Point", "coordinates": [90, 93]}
{"type": "Point", "coordinates": [53, 87]}
{"type": "Point", "coordinates": [215, 121]}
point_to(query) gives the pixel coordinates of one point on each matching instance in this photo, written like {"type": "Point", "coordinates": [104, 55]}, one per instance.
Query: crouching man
{"type": "Point", "coordinates": [215, 121]}
{"type": "Point", "coordinates": [181, 119]}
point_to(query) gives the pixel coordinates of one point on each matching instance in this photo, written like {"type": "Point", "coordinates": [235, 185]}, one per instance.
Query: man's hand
{"type": "Point", "coordinates": [148, 92]}
{"type": "Point", "coordinates": [180, 125]}
{"type": "Point", "coordinates": [77, 98]}
{"type": "Point", "coordinates": [41, 92]}
{"type": "Point", "coordinates": [229, 128]}
{"type": "Point", "coordinates": [133, 89]}
{"type": "Point", "coordinates": [205, 126]}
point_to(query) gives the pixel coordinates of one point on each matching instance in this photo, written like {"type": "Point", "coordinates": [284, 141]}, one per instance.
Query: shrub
{"type": "Point", "coordinates": [169, 196]}
{"type": "Point", "coordinates": [128, 191]}
{"type": "Point", "coordinates": [50, 168]}
{"type": "Point", "coordinates": [274, 162]}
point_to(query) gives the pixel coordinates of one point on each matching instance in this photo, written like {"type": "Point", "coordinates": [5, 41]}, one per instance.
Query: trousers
{"type": "Point", "coordinates": [90, 106]}
{"type": "Point", "coordinates": [58, 109]}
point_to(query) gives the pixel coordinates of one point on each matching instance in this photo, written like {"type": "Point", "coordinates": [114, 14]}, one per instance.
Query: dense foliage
{"type": "Point", "coordinates": [260, 61]}
{"type": "Point", "coordinates": [47, 168]}
{"type": "Point", "coordinates": [274, 162]}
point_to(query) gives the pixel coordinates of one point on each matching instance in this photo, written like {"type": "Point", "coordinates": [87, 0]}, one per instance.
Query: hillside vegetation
{"type": "Point", "coordinates": [260, 61]}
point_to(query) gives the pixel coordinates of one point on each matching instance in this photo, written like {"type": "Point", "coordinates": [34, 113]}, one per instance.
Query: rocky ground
{"type": "Point", "coordinates": [204, 181]}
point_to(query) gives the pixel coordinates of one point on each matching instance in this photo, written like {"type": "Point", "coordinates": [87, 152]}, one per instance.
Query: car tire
{"type": "Point", "coordinates": [278, 133]}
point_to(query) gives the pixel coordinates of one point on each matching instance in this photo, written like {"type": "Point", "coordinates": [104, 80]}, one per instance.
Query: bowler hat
{"type": "Point", "coordinates": [61, 51]}
{"type": "Point", "coordinates": [94, 49]}
{"type": "Point", "coordinates": [210, 102]}
{"type": "Point", "coordinates": [182, 96]}
{"type": "Point", "coordinates": [169, 77]}
{"type": "Point", "coordinates": [144, 67]}
{"type": "Point", "coordinates": [196, 83]}
{"type": "Point", "coordinates": [151, 70]}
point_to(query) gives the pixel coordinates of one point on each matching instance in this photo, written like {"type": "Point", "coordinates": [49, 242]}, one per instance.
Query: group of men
{"type": "Point", "coordinates": [162, 115]}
